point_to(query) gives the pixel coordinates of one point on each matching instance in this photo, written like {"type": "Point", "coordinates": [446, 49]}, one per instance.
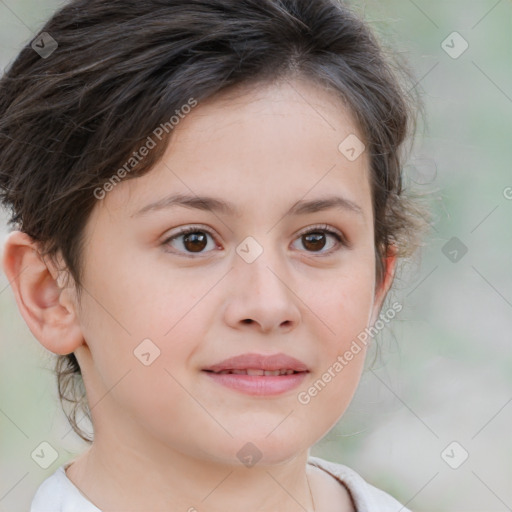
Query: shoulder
{"type": "Point", "coordinates": [58, 494]}
{"type": "Point", "coordinates": [365, 496]}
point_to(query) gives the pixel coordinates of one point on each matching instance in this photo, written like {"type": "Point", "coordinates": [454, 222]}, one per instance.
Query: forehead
{"type": "Point", "coordinates": [299, 105]}
{"type": "Point", "coordinates": [268, 143]}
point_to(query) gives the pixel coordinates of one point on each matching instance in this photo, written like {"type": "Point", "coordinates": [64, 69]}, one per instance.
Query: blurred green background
{"type": "Point", "coordinates": [445, 370]}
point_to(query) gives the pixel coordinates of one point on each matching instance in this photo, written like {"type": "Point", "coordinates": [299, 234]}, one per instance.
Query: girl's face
{"type": "Point", "coordinates": [160, 307]}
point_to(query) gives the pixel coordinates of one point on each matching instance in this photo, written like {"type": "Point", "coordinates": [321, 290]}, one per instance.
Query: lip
{"type": "Point", "coordinates": [261, 362]}
{"type": "Point", "coordinates": [259, 385]}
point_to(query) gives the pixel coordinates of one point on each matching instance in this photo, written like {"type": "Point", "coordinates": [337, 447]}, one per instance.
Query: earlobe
{"type": "Point", "coordinates": [47, 307]}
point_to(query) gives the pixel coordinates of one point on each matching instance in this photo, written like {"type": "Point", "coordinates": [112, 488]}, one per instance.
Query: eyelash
{"type": "Point", "coordinates": [323, 228]}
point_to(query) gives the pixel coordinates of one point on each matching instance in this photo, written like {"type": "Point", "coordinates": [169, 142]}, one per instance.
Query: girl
{"type": "Point", "coordinates": [208, 208]}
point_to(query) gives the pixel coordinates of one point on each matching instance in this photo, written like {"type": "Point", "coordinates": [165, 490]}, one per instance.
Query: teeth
{"type": "Point", "coordinates": [257, 372]}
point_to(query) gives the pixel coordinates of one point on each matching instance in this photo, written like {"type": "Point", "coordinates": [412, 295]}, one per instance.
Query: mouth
{"type": "Point", "coordinates": [259, 364]}
{"type": "Point", "coordinates": [257, 372]}
{"type": "Point", "coordinates": [258, 375]}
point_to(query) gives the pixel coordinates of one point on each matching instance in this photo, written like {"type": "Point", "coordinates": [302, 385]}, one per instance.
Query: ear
{"type": "Point", "coordinates": [47, 306]}
{"type": "Point", "coordinates": [383, 287]}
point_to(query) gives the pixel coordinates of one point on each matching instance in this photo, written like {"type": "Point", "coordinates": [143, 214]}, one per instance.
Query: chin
{"type": "Point", "coordinates": [252, 451]}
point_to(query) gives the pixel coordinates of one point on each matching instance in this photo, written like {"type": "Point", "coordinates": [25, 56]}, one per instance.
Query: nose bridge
{"type": "Point", "coordinates": [262, 289]}
{"type": "Point", "coordinates": [261, 268]}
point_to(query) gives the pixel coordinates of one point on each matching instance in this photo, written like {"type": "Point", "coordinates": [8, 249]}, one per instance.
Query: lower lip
{"type": "Point", "coordinates": [259, 385]}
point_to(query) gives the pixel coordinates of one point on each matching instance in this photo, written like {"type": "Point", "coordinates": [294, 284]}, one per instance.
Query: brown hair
{"type": "Point", "coordinates": [69, 120]}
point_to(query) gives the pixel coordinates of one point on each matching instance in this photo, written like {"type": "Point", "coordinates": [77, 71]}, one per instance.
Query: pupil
{"type": "Point", "coordinates": [191, 241]}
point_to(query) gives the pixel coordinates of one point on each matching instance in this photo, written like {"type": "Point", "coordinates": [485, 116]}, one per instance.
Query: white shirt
{"type": "Point", "coordinates": [58, 494]}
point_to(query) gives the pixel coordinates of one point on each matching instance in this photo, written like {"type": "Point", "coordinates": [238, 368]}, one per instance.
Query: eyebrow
{"type": "Point", "coordinates": [212, 204]}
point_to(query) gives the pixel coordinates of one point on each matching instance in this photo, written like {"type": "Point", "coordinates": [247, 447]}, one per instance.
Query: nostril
{"type": "Point", "coordinates": [247, 321]}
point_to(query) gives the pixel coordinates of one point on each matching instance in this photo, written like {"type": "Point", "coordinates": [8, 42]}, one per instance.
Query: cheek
{"type": "Point", "coordinates": [327, 395]}
{"type": "Point", "coordinates": [345, 304]}
{"type": "Point", "coordinates": [135, 298]}
{"type": "Point", "coordinates": [137, 320]}
{"type": "Point", "coordinates": [344, 309]}
{"type": "Point", "coordinates": [136, 366]}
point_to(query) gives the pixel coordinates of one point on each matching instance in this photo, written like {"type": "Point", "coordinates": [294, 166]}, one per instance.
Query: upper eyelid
{"type": "Point", "coordinates": [321, 227]}
{"type": "Point", "coordinates": [198, 227]}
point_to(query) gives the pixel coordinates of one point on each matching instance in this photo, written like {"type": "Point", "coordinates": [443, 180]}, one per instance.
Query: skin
{"type": "Point", "coordinates": [167, 428]}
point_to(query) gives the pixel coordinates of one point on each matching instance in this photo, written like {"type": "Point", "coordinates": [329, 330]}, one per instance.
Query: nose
{"type": "Point", "coordinates": [261, 296]}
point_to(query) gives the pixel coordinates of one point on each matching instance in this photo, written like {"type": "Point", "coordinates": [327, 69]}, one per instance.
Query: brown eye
{"type": "Point", "coordinates": [195, 242]}
{"type": "Point", "coordinates": [195, 239]}
{"type": "Point", "coordinates": [314, 241]}
{"type": "Point", "coordinates": [191, 240]}
{"type": "Point", "coordinates": [317, 238]}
